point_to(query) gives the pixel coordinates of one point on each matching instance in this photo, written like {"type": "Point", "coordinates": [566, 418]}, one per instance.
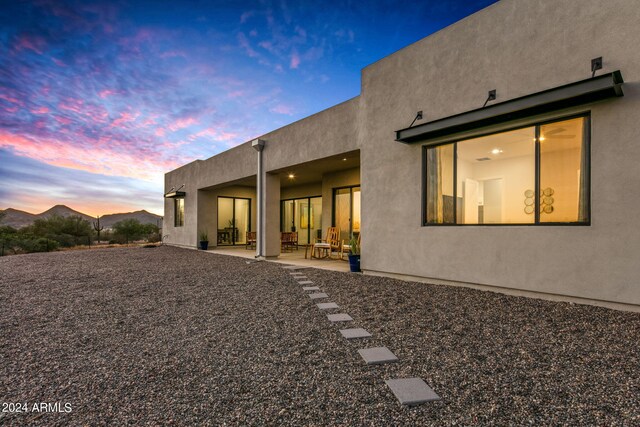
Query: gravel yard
{"type": "Point", "coordinates": [174, 336]}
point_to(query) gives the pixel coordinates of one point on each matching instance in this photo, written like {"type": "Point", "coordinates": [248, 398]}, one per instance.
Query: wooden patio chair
{"type": "Point", "coordinates": [346, 247]}
{"type": "Point", "coordinates": [329, 244]}
{"type": "Point", "coordinates": [251, 240]}
{"type": "Point", "coordinates": [289, 240]}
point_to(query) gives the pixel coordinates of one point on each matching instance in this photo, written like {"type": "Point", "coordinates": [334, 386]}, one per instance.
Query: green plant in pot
{"type": "Point", "coordinates": [354, 255]}
{"type": "Point", "coordinates": [204, 240]}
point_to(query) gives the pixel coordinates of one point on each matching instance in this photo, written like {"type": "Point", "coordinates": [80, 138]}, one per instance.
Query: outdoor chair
{"type": "Point", "coordinates": [289, 240]}
{"type": "Point", "coordinates": [329, 245]}
{"type": "Point", "coordinates": [346, 248]}
{"type": "Point", "coordinates": [251, 240]}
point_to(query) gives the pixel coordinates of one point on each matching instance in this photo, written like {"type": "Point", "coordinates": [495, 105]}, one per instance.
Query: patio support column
{"type": "Point", "coordinates": [271, 214]}
{"type": "Point", "coordinates": [258, 145]}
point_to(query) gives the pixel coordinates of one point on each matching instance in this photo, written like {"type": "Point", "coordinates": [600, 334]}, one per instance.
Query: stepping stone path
{"type": "Point", "coordinates": [340, 317]}
{"type": "Point", "coordinates": [318, 295]}
{"type": "Point", "coordinates": [327, 305]}
{"type": "Point", "coordinates": [408, 391]}
{"type": "Point", "coordinates": [377, 355]}
{"type": "Point", "coordinates": [354, 333]}
{"type": "Point", "coordinates": [411, 391]}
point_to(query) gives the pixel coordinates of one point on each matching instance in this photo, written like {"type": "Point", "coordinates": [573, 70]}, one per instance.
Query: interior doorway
{"type": "Point", "coordinates": [234, 220]}
{"type": "Point", "coordinates": [346, 211]}
{"type": "Point", "coordinates": [302, 215]}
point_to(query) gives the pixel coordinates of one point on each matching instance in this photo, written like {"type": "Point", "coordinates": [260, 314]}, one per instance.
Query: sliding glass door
{"type": "Point", "coordinates": [302, 215]}
{"type": "Point", "coordinates": [346, 211]}
{"type": "Point", "coordinates": [234, 220]}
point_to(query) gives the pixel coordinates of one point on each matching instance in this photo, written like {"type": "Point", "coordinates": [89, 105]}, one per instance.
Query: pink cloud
{"type": "Point", "coordinates": [106, 93]}
{"type": "Point", "coordinates": [282, 109]}
{"type": "Point", "coordinates": [29, 42]}
{"type": "Point", "coordinates": [58, 62]}
{"type": "Point", "coordinates": [181, 124]}
{"type": "Point", "coordinates": [90, 157]}
{"type": "Point", "coordinates": [213, 134]}
{"type": "Point", "coordinates": [160, 132]}
{"type": "Point", "coordinates": [244, 43]}
{"type": "Point", "coordinates": [124, 119]}
{"type": "Point", "coordinates": [40, 110]}
{"type": "Point", "coordinates": [11, 99]}
{"type": "Point", "coordinates": [295, 60]}
{"type": "Point", "coordinates": [62, 120]}
{"type": "Point", "coordinates": [173, 54]}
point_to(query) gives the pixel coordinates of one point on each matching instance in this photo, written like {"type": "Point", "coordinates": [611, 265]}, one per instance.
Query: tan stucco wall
{"type": "Point", "coordinates": [517, 47]}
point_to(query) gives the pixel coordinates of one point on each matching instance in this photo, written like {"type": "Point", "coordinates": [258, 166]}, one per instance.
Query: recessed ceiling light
{"type": "Point", "coordinates": [496, 151]}
{"type": "Point", "coordinates": [291, 176]}
{"type": "Point", "coordinates": [541, 138]}
{"type": "Point", "coordinates": [344, 160]}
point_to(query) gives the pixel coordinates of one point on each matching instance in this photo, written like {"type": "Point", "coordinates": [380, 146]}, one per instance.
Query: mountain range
{"type": "Point", "coordinates": [18, 219]}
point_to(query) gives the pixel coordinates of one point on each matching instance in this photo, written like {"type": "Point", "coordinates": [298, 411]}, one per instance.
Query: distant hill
{"type": "Point", "coordinates": [64, 211]}
{"type": "Point", "coordinates": [18, 219]}
{"type": "Point", "coordinates": [143, 216]}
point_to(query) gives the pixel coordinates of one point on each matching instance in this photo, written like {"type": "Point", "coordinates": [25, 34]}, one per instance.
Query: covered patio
{"type": "Point", "coordinates": [295, 257]}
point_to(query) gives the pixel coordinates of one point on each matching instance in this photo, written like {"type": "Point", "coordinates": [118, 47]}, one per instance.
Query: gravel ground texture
{"type": "Point", "coordinates": [168, 336]}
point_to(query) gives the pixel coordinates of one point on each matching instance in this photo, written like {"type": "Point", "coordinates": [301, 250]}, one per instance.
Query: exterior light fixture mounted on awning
{"type": "Point", "coordinates": [571, 95]}
{"type": "Point", "coordinates": [175, 194]}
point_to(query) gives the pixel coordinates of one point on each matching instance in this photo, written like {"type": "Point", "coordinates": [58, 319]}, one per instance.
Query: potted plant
{"type": "Point", "coordinates": [354, 255]}
{"type": "Point", "coordinates": [204, 240]}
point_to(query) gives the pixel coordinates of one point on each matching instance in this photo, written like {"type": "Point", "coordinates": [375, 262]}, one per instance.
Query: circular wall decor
{"type": "Point", "coordinates": [528, 210]}
{"type": "Point", "coordinates": [528, 201]}
{"type": "Point", "coordinates": [548, 191]}
{"type": "Point", "coordinates": [529, 193]}
{"type": "Point", "coordinates": [548, 200]}
{"type": "Point", "coordinates": [548, 209]}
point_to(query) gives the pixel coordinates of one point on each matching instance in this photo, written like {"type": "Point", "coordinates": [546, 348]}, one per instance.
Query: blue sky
{"type": "Point", "coordinates": [99, 99]}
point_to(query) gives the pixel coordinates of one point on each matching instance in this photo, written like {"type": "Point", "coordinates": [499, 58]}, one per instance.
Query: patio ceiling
{"type": "Point", "coordinates": [304, 173]}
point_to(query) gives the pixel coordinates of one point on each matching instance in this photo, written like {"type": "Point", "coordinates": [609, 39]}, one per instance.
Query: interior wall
{"type": "Point", "coordinates": [347, 178]}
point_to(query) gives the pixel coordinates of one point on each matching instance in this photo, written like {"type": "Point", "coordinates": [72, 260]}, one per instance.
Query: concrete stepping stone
{"type": "Point", "coordinates": [354, 333]}
{"type": "Point", "coordinates": [340, 317]}
{"type": "Point", "coordinates": [294, 267]}
{"type": "Point", "coordinates": [311, 288]}
{"type": "Point", "coordinates": [305, 282]}
{"type": "Point", "coordinates": [411, 391]}
{"type": "Point", "coordinates": [301, 277]}
{"type": "Point", "coordinates": [377, 355]}
{"type": "Point", "coordinates": [327, 305]}
{"type": "Point", "coordinates": [318, 295]}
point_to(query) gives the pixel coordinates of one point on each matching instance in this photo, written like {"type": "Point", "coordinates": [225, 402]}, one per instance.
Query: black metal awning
{"type": "Point", "coordinates": [175, 195]}
{"type": "Point", "coordinates": [571, 95]}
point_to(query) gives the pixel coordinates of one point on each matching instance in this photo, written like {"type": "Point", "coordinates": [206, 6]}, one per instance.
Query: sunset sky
{"type": "Point", "coordinates": [99, 99]}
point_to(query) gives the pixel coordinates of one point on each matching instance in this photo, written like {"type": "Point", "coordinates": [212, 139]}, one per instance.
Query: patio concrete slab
{"type": "Point", "coordinates": [327, 305]}
{"type": "Point", "coordinates": [318, 295]}
{"type": "Point", "coordinates": [311, 288]}
{"type": "Point", "coordinates": [340, 317]}
{"type": "Point", "coordinates": [305, 282]}
{"type": "Point", "coordinates": [411, 391]}
{"type": "Point", "coordinates": [377, 355]}
{"type": "Point", "coordinates": [355, 333]}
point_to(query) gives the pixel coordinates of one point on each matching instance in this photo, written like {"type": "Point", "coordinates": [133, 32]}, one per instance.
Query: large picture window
{"type": "Point", "coordinates": [178, 212]}
{"type": "Point", "coordinates": [532, 175]}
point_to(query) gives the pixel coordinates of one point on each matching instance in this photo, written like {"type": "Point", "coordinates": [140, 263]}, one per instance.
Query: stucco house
{"type": "Point", "coordinates": [520, 175]}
